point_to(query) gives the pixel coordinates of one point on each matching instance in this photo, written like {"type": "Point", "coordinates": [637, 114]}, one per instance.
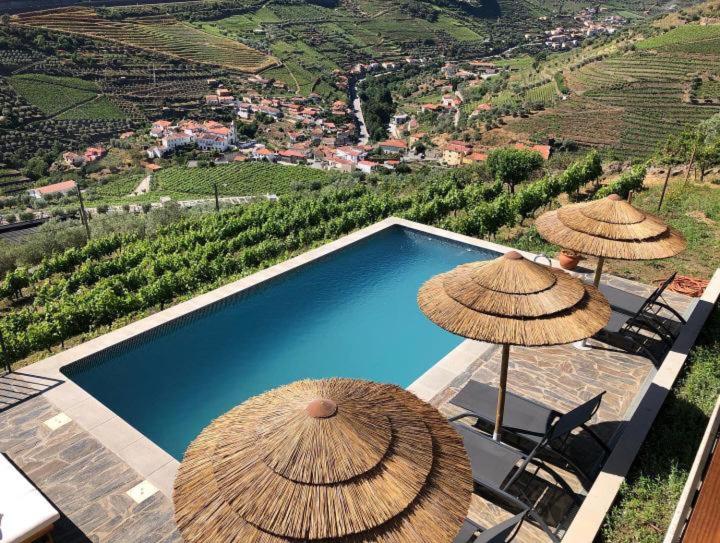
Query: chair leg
{"type": "Point", "coordinates": [519, 503]}
{"type": "Point", "coordinates": [559, 480]}
{"type": "Point", "coordinates": [578, 470]}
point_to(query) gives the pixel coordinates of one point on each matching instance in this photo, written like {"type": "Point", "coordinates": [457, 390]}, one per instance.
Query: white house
{"type": "Point", "coordinates": [351, 154]}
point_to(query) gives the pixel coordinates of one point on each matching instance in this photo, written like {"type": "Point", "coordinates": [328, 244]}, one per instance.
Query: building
{"type": "Point", "coordinates": [475, 157]}
{"type": "Point", "coordinates": [56, 188]}
{"type": "Point", "coordinates": [94, 153]}
{"type": "Point", "coordinates": [544, 150]}
{"type": "Point", "coordinates": [455, 152]}
{"type": "Point", "coordinates": [73, 159]}
{"type": "Point", "coordinates": [352, 154]}
{"type": "Point", "coordinates": [393, 146]}
{"type": "Point", "coordinates": [292, 156]}
{"type": "Point", "coordinates": [176, 140]}
{"type": "Point", "coordinates": [337, 163]}
{"type": "Point", "coordinates": [244, 110]}
{"type": "Point", "coordinates": [263, 153]}
{"type": "Point", "coordinates": [368, 166]}
{"type": "Point", "coordinates": [159, 127]}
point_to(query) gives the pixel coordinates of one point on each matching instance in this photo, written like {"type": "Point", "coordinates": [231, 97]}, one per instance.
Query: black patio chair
{"type": "Point", "coordinates": [632, 304]}
{"type": "Point", "coordinates": [634, 315]}
{"type": "Point", "coordinates": [503, 532]}
{"type": "Point", "coordinates": [546, 428]}
{"type": "Point", "coordinates": [496, 467]}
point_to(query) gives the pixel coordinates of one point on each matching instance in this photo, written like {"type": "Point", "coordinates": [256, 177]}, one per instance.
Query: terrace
{"type": "Point", "coordinates": [111, 483]}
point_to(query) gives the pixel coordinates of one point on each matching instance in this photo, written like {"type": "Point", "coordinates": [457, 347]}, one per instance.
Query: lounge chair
{"type": "Point", "coordinates": [25, 514]}
{"type": "Point", "coordinates": [633, 316]}
{"type": "Point", "coordinates": [632, 304]}
{"type": "Point", "coordinates": [496, 467]}
{"type": "Point", "coordinates": [500, 533]}
{"type": "Point", "coordinates": [541, 425]}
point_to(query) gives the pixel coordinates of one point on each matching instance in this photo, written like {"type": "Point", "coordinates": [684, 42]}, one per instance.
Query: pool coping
{"type": "Point", "coordinates": [157, 466]}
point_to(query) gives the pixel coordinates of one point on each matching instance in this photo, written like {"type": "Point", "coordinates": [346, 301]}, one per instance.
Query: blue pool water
{"type": "Point", "coordinates": [351, 314]}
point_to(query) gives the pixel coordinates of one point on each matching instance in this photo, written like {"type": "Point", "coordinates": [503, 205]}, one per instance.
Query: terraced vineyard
{"type": "Point", "coordinates": [53, 95]}
{"type": "Point", "coordinates": [689, 38]}
{"type": "Point", "coordinates": [631, 101]}
{"type": "Point", "coordinates": [163, 35]}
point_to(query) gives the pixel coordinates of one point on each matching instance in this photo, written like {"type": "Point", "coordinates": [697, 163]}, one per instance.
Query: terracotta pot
{"type": "Point", "coordinates": [568, 261]}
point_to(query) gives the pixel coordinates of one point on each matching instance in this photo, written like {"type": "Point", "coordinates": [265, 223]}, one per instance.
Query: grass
{"type": "Point", "coordinates": [695, 211]}
{"type": "Point", "coordinates": [649, 496]}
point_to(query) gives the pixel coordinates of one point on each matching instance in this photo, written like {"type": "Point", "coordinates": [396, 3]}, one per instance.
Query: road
{"type": "Point", "coordinates": [357, 108]}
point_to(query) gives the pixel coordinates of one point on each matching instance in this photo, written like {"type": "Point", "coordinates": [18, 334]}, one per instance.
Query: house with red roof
{"type": "Point", "coordinates": [544, 150]}
{"type": "Point", "coordinates": [293, 156]}
{"type": "Point", "coordinates": [56, 188]}
{"type": "Point", "coordinates": [393, 146]}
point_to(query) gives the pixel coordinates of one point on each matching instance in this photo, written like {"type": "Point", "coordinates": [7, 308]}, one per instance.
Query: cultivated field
{"type": "Point", "coordinates": [164, 35]}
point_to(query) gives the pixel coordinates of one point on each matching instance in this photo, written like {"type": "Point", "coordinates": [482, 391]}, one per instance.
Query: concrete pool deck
{"type": "Point", "coordinates": [96, 468]}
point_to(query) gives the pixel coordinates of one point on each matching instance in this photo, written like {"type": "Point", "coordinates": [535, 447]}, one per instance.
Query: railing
{"type": "Point", "coordinates": [695, 479]}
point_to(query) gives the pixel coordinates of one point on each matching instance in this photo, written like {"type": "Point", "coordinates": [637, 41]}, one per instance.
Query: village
{"type": "Point", "coordinates": [296, 130]}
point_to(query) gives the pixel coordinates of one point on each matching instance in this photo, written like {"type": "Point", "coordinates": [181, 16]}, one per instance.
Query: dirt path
{"type": "Point", "coordinates": [143, 186]}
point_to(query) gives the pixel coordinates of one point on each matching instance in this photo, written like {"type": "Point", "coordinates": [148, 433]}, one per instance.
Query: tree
{"type": "Point", "coordinates": [513, 166]}
{"type": "Point", "coordinates": [36, 167]}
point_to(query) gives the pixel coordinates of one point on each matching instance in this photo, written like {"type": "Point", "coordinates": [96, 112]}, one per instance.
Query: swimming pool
{"type": "Point", "coordinates": [352, 313]}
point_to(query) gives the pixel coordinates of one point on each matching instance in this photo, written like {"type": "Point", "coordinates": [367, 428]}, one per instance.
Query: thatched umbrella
{"type": "Point", "coordinates": [513, 301]}
{"type": "Point", "coordinates": [336, 460]}
{"type": "Point", "coordinates": [610, 228]}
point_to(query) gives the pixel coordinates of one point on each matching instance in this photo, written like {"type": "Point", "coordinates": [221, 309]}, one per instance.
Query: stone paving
{"type": "Point", "coordinates": [88, 483]}
{"type": "Point", "coordinates": [85, 481]}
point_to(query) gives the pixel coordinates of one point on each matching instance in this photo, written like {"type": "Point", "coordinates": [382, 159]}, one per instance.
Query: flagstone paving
{"type": "Point", "coordinates": [88, 483]}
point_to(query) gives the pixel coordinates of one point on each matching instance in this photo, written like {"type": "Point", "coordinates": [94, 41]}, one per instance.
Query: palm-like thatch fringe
{"type": "Point", "coordinates": [513, 301]}
{"type": "Point", "coordinates": [385, 467]}
{"type": "Point", "coordinates": [610, 228]}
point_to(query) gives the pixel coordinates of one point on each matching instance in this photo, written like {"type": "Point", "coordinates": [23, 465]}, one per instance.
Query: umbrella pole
{"type": "Point", "coordinates": [501, 391]}
{"type": "Point", "coordinates": [598, 271]}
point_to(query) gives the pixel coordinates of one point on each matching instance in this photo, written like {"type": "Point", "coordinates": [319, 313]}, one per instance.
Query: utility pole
{"type": "Point", "coordinates": [217, 197]}
{"type": "Point", "coordinates": [83, 215]}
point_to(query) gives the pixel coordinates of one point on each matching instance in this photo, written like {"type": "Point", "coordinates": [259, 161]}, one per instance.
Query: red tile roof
{"type": "Point", "coordinates": [63, 186]}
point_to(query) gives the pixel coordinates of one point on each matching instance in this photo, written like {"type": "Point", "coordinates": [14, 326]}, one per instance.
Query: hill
{"type": "Point", "coordinates": [625, 95]}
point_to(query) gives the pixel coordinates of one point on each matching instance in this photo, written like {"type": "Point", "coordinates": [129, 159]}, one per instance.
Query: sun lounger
{"type": "Point", "coordinates": [639, 322]}
{"type": "Point", "coordinates": [632, 304]}
{"type": "Point", "coordinates": [25, 514]}
{"type": "Point", "coordinates": [542, 426]}
{"type": "Point", "coordinates": [496, 467]}
{"type": "Point", "coordinates": [500, 533]}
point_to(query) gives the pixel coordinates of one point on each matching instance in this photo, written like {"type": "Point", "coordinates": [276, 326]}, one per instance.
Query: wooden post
{"type": "Point", "coordinates": [83, 215]}
{"type": "Point", "coordinates": [664, 189]}
{"type": "Point", "coordinates": [501, 391]}
{"type": "Point", "coordinates": [598, 271]}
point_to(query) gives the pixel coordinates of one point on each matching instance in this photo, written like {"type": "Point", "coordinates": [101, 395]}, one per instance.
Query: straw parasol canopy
{"type": "Point", "coordinates": [513, 301]}
{"type": "Point", "coordinates": [336, 460]}
{"type": "Point", "coordinates": [610, 228]}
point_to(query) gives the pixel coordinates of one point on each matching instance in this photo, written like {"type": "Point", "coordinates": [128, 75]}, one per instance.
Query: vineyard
{"type": "Point", "coordinates": [74, 91]}
{"type": "Point", "coordinates": [120, 277]}
{"type": "Point", "coordinates": [237, 179]}
{"type": "Point", "coordinates": [52, 95]}
{"type": "Point", "coordinates": [627, 102]}
{"type": "Point", "coordinates": [163, 35]}
{"type": "Point", "coordinates": [689, 38]}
